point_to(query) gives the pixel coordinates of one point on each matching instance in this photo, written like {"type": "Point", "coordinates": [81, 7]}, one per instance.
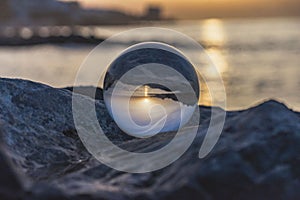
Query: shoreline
{"type": "Point", "coordinates": [37, 40]}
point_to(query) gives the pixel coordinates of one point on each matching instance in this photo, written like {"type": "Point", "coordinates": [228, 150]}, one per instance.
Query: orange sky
{"type": "Point", "coordinates": [197, 8]}
{"type": "Point", "coordinates": [171, 7]}
{"type": "Point", "coordinates": [136, 4]}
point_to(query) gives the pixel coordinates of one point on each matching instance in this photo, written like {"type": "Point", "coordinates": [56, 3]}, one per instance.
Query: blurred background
{"type": "Point", "coordinates": [255, 44]}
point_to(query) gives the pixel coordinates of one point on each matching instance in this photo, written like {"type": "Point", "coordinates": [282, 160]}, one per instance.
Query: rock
{"type": "Point", "coordinates": [257, 156]}
{"type": "Point", "coordinates": [10, 185]}
{"type": "Point", "coordinates": [88, 91]}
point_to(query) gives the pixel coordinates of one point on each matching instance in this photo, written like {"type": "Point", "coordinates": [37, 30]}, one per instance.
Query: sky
{"type": "Point", "coordinates": [186, 9]}
{"type": "Point", "coordinates": [171, 6]}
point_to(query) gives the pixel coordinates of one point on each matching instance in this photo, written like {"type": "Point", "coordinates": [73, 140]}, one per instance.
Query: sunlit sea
{"type": "Point", "coordinates": [257, 58]}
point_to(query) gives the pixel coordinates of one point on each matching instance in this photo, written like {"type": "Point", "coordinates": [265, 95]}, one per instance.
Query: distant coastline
{"type": "Point", "coordinates": [36, 40]}
{"type": "Point", "coordinates": [60, 13]}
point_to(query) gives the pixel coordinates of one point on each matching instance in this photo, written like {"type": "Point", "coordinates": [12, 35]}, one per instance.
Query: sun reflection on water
{"type": "Point", "coordinates": [213, 32]}
{"type": "Point", "coordinates": [218, 59]}
{"type": "Point", "coordinates": [214, 35]}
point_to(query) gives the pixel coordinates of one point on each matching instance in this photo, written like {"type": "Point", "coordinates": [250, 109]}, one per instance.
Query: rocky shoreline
{"type": "Point", "coordinates": [257, 156]}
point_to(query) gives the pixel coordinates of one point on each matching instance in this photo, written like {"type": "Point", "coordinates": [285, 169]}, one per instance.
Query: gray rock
{"type": "Point", "coordinates": [257, 156]}
{"type": "Point", "coordinates": [10, 184]}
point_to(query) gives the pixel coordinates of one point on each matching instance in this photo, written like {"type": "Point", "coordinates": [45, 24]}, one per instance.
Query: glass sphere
{"type": "Point", "coordinates": [151, 88]}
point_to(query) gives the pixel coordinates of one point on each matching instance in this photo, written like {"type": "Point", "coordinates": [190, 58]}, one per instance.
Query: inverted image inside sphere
{"type": "Point", "coordinates": [151, 52]}
{"type": "Point", "coordinates": [151, 88]}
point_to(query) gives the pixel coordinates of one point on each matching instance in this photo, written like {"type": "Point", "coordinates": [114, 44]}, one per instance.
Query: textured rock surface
{"type": "Point", "coordinates": [257, 156]}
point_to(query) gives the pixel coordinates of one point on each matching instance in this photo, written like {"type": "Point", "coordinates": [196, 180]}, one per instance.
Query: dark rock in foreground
{"type": "Point", "coordinates": [257, 156]}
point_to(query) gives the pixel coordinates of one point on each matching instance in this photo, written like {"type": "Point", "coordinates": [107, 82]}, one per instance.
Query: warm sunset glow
{"type": "Point", "coordinates": [136, 3]}
{"type": "Point", "coordinates": [177, 8]}
{"type": "Point", "coordinates": [146, 100]}
{"type": "Point", "coordinates": [191, 9]}
{"type": "Point", "coordinates": [213, 32]}
{"type": "Point", "coordinates": [214, 35]}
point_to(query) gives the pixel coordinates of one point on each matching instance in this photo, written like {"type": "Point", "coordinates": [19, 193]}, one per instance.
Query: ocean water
{"type": "Point", "coordinates": [257, 58]}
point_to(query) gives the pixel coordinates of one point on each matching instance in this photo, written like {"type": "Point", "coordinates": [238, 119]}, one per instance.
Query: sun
{"type": "Point", "coordinates": [146, 100]}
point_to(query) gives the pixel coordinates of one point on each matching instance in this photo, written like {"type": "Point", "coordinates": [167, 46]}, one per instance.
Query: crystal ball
{"type": "Point", "coordinates": [151, 88]}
